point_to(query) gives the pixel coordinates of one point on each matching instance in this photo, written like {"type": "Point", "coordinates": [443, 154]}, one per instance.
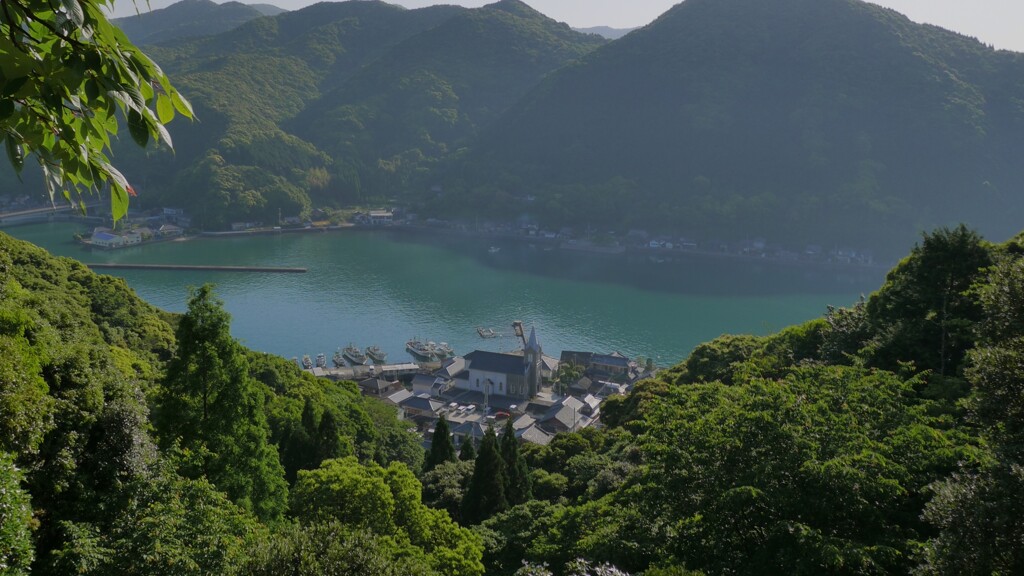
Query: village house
{"type": "Point", "coordinates": [170, 231]}
{"type": "Point", "coordinates": [379, 387]}
{"type": "Point", "coordinates": [421, 408]}
{"type": "Point", "coordinates": [381, 217]}
{"type": "Point", "coordinates": [105, 238]}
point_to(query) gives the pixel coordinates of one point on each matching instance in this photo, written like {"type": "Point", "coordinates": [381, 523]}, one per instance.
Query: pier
{"type": "Point", "coordinates": [368, 371]}
{"type": "Point", "coordinates": [180, 267]}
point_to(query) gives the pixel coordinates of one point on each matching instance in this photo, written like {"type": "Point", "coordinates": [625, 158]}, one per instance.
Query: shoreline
{"type": "Point", "coordinates": [668, 255]}
{"type": "Point", "coordinates": [656, 256]}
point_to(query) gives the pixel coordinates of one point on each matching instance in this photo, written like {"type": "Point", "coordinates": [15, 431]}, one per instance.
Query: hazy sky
{"type": "Point", "coordinates": [997, 22]}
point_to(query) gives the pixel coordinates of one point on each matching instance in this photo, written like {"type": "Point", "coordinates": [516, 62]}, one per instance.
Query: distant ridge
{"type": "Point", "coordinates": [606, 31]}
{"type": "Point", "coordinates": [190, 19]}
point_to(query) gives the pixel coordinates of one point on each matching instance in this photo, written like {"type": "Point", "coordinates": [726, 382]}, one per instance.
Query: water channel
{"type": "Point", "coordinates": [384, 288]}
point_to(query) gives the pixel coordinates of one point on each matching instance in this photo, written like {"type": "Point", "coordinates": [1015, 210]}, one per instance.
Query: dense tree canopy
{"type": "Point", "coordinates": [213, 409]}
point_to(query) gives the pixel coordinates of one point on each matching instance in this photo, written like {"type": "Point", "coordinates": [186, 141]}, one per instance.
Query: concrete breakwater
{"type": "Point", "coordinates": [268, 269]}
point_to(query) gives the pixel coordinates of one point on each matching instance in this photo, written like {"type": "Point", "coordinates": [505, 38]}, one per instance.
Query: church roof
{"type": "Point", "coordinates": [495, 362]}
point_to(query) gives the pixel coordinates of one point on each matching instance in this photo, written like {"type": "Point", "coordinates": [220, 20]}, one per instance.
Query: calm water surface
{"type": "Point", "coordinates": [384, 288]}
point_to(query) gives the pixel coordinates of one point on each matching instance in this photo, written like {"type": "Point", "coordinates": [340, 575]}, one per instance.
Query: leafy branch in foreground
{"type": "Point", "coordinates": [65, 74]}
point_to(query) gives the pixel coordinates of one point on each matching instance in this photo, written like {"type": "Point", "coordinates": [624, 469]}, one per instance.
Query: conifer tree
{"type": "Point", "coordinates": [468, 450]}
{"type": "Point", "coordinates": [298, 449]}
{"type": "Point", "coordinates": [518, 487]}
{"type": "Point", "coordinates": [211, 405]}
{"type": "Point", "coordinates": [328, 440]}
{"type": "Point", "coordinates": [485, 496]}
{"type": "Point", "coordinates": [441, 448]}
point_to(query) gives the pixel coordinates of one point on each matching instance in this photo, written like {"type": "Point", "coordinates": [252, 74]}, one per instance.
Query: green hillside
{"type": "Point", "coordinates": [236, 163]}
{"type": "Point", "coordinates": [801, 121]}
{"type": "Point", "coordinates": [433, 92]}
{"type": "Point", "coordinates": [133, 441]}
{"type": "Point", "coordinates": [880, 439]}
{"type": "Point", "coordinates": [189, 19]}
{"type": "Point", "coordinates": [339, 101]}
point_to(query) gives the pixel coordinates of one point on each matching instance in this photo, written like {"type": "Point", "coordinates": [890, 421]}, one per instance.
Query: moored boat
{"type": "Point", "coordinates": [443, 351]}
{"type": "Point", "coordinates": [423, 352]}
{"type": "Point", "coordinates": [307, 362]}
{"type": "Point", "coordinates": [355, 355]}
{"type": "Point", "coordinates": [339, 359]}
{"type": "Point", "coordinates": [321, 360]}
{"type": "Point", "coordinates": [376, 354]}
{"type": "Point", "coordinates": [486, 333]}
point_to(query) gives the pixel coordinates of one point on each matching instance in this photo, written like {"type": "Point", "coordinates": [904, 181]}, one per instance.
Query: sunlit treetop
{"type": "Point", "coordinates": [66, 74]}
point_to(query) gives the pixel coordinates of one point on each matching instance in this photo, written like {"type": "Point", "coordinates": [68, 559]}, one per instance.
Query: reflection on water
{"type": "Point", "coordinates": [381, 288]}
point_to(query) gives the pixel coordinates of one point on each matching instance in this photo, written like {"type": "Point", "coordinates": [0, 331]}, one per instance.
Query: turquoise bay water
{"type": "Point", "coordinates": [384, 288]}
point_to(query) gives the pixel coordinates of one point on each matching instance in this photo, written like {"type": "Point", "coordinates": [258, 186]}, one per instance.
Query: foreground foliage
{"type": "Point", "coordinates": [66, 74]}
{"type": "Point", "coordinates": [882, 439]}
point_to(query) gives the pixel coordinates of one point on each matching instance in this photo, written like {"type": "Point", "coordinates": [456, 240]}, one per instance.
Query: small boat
{"type": "Point", "coordinates": [307, 363]}
{"type": "Point", "coordinates": [486, 333]}
{"type": "Point", "coordinates": [443, 351]}
{"type": "Point", "coordinates": [355, 355]}
{"type": "Point", "coordinates": [420, 351]}
{"type": "Point", "coordinates": [377, 355]}
{"type": "Point", "coordinates": [321, 360]}
{"type": "Point", "coordinates": [339, 359]}
{"type": "Point", "coordinates": [493, 250]}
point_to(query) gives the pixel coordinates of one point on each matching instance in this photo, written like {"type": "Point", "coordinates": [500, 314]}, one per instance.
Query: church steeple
{"type": "Point", "coordinates": [533, 355]}
{"type": "Point", "coordinates": [533, 344]}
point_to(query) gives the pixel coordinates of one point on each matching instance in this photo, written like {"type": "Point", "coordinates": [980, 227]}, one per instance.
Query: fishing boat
{"type": "Point", "coordinates": [486, 333]}
{"type": "Point", "coordinates": [339, 359]}
{"type": "Point", "coordinates": [377, 355]}
{"type": "Point", "coordinates": [355, 355]}
{"type": "Point", "coordinates": [307, 362]}
{"type": "Point", "coordinates": [424, 352]}
{"type": "Point", "coordinates": [321, 360]}
{"type": "Point", "coordinates": [443, 351]}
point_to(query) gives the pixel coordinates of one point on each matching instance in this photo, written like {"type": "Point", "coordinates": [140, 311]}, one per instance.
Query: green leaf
{"type": "Point", "coordinates": [6, 109]}
{"type": "Point", "coordinates": [180, 104]}
{"type": "Point", "coordinates": [74, 12]}
{"type": "Point", "coordinates": [164, 109]}
{"type": "Point", "coordinates": [136, 96]}
{"type": "Point", "coordinates": [118, 201]}
{"type": "Point", "coordinates": [164, 135]}
{"type": "Point", "coordinates": [11, 87]}
{"type": "Point", "coordinates": [15, 154]}
{"type": "Point", "coordinates": [138, 128]}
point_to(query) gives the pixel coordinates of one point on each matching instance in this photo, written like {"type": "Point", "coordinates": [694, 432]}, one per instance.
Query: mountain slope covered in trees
{"type": "Point", "coordinates": [189, 19]}
{"type": "Point", "coordinates": [133, 441]}
{"type": "Point", "coordinates": [801, 121]}
{"type": "Point", "coordinates": [432, 93]}
{"type": "Point", "coordinates": [309, 104]}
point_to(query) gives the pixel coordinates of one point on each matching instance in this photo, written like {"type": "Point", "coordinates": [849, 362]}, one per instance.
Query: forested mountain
{"type": "Point", "coordinates": [433, 92]}
{"type": "Point", "coordinates": [833, 123]}
{"type": "Point", "coordinates": [881, 439]}
{"type": "Point", "coordinates": [190, 19]}
{"type": "Point", "coordinates": [236, 163]}
{"type": "Point", "coordinates": [331, 101]}
{"type": "Point", "coordinates": [801, 121]}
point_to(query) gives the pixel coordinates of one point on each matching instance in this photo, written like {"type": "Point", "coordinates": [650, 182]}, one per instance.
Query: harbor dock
{"type": "Point", "coordinates": [270, 269]}
{"type": "Point", "coordinates": [359, 372]}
